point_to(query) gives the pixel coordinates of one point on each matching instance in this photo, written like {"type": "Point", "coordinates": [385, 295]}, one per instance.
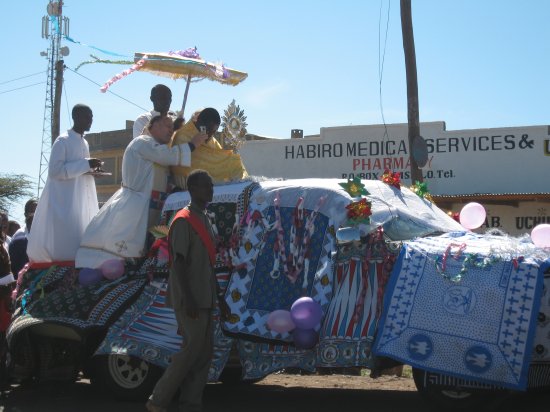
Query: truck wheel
{"type": "Point", "coordinates": [126, 377]}
{"type": "Point", "coordinates": [22, 360]}
{"type": "Point", "coordinates": [456, 398]}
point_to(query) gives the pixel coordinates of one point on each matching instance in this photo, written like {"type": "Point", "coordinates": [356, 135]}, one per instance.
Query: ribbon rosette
{"type": "Point", "coordinates": [359, 211]}
{"type": "Point", "coordinates": [354, 187]}
{"type": "Point", "coordinates": [421, 189]}
{"type": "Point", "coordinates": [191, 52]}
{"type": "Point", "coordinates": [392, 179]}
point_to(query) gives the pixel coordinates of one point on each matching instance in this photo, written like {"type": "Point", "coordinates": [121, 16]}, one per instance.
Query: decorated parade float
{"type": "Point", "coordinates": [319, 274]}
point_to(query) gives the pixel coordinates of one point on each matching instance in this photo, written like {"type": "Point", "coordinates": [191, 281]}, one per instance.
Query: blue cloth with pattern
{"type": "Point", "coordinates": [256, 291]}
{"type": "Point", "coordinates": [480, 328]}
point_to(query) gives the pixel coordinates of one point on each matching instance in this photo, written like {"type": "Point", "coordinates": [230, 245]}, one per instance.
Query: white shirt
{"type": "Point", "coordinates": [21, 232]}
{"type": "Point", "coordinates": [120, 227]}
{"type": "Point", "coordinates": [67, 204]}
{"type": "Point", "coordinates": [143, 120]}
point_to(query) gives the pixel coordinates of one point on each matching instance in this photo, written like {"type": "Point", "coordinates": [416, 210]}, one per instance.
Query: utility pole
{"type": "Point", "coordinates": [59, 66]}
{"type": "Point", "coordinates": [417, 149]}
{"type": "Point", "coordinates": [54, 26]}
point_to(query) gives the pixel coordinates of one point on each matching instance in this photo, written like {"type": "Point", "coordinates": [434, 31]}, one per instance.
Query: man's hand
{"type": "Point", "coordinates": [199, 139]}
{"type": "Point", "coordinates": [224, 309]}
{"type": "Point", "coordinates": [95, 163]}
{"type": "Point", "coordinates": [178, 123]}
{"type": "Point", "coordinates": [191, 308]}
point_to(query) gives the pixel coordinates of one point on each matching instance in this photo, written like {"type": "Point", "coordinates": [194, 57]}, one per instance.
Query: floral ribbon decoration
{"type": "Point", "coordinates": [219, 70]}
{"type": "Point", "coordinates": [354, 187]}
{"type": "Point", "coordinates": [392, 179]}
{"type": "Point", "coordinates": [421, 189]}
{"type": "Point", "coordinates": [191, 52]}
{"type": "Point", "coordinates": [359, 212]}
{"type": "Point", "coordinates": [123, 74]}
{"type": "Point", "coordinates": [295, 260]}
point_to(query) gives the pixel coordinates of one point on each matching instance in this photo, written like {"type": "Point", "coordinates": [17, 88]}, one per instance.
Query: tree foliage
{"type": "Point", "coordinates": [13, 188]}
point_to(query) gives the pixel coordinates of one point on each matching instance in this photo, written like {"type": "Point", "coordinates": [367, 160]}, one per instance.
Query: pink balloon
{"type": "Point", "coordinates": [280, 321]}
{"type": "Point", "coordinates": [306, 313]}
{"type": "Point", "coordinates": [540, 235]}
{"type": "Point", "coordinates": [472, 215]}
{"type": "Point", "coordinates": [305, 338]}
{"type": "Point", "coordinates": [112, 269]}
{"type": "Point", "coordinates": [88, 276]}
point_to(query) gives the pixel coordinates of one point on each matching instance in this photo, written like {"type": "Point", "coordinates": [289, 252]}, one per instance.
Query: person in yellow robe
{"type": "Point", "coordinates": [222, 165]}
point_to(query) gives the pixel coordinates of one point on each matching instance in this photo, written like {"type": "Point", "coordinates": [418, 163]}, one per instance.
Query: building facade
{"type": "Point", "coordinates": [504, 169]}
{"type": "Point", "coordinates": [109, 147]}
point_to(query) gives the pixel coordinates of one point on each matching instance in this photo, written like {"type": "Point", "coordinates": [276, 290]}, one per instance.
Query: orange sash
{"type": "Point", "coordinates": [44, 265]}
{"type": "Point", "coordinates": [199, 228]}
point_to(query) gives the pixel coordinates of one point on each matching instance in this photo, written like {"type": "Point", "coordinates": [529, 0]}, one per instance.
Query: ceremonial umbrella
{"type": "Point", "coordinates": [185, 64]}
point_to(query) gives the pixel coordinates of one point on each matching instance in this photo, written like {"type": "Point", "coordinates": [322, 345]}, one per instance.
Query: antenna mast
{"type": "Point", "coordinates": [54, 26]}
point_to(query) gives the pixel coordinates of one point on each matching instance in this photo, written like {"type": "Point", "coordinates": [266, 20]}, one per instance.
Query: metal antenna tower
{"type": "Point", "coordinates": [54, 26]}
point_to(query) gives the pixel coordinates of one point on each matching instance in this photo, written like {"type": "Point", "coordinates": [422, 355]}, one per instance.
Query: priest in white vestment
{"type": "Point", "coordinates": [69, 200]}
{"type": "Point", "coordinates": [120, 228]}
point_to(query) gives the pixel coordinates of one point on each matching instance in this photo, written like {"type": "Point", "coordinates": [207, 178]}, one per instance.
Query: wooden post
{"type": "Point", "coordinates": [412, 85]}
{"type": "Point", "coordinates": [185, 96]}
{"type": "Point", "coordinates": [56, 113]}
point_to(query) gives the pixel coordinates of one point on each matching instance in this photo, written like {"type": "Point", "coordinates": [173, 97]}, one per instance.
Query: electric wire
{"type": "Point", "coordinates": [23, 77]}
{"type": "Point", "coordinates": [381, 60]}
{"type": "Point", "coordinates": [22, 87]}
{"type": "Point", "coordinates": [113, 93]}
{"type": "Point", "coordinates": [66, 99]}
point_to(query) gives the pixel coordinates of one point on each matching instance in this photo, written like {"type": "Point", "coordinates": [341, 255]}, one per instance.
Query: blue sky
{"type": "Point", "coordinates": [311, 64]}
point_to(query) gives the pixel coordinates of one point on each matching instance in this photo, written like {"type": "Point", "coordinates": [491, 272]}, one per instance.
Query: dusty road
{"type": "Point", "coordinates": [276, 393]}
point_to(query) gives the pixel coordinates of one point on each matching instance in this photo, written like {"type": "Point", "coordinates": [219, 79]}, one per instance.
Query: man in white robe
{"type": "Point", "coordinates": [69, 200]}
{"type": "Point", "coordinates": [120, 228]}
{"type": "Point", "coordinates": [161, 96]}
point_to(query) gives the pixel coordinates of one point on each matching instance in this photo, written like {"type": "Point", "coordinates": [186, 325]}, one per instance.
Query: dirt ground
{"type": "Point", "coordinates": [289, 392]}
{"type": "Point", "coordinates": [281, 391]}
{"type": "Point", "coordinates": [392, 380]}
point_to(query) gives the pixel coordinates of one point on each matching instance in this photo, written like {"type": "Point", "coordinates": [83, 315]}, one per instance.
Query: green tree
{"type": "Point", "coordinates": [13, 188]}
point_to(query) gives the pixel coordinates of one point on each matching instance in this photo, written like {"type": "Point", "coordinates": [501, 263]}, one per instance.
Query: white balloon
{"type": "Point", "coordinates": [540, 235]}
{"type": "Point", "coordinates": [472, 215]}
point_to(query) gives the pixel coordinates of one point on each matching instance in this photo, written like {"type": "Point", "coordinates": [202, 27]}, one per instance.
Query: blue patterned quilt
{"type": "Point", "coordinates": [148, 330]}
{"type": "Point", "coordinates": [479, 326]}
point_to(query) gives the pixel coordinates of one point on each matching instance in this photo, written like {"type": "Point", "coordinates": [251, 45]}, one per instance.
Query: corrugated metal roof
{"type": "Point", "coordinates": [494, 196]}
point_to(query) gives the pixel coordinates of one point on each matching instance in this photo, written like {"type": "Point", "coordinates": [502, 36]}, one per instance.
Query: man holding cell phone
{"type": "Point", "coordinates": [206, 123]}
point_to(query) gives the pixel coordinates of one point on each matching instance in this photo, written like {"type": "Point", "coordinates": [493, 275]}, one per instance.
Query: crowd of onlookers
{"type": "Point", "coordinates": [14, 237]}
{"type": "Point", "coordinates": [13, 257]}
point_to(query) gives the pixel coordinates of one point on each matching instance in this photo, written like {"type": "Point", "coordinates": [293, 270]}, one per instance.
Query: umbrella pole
{"type": "Point", "coordinates": [185, 94]}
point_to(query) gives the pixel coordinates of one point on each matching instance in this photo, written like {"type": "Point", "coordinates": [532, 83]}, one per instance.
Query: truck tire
{"type": "Point", "coordinates": [232, 376]}
{"type": "Point", "coordinates": [456, 398]}
{"type": "Point", "coordinates": [126, 377]}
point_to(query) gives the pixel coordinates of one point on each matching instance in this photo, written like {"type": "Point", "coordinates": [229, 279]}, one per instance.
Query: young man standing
{"type": "Point", "coordinates": [161, 96]}
{"type": "Point", "coordinates": [192, 292]}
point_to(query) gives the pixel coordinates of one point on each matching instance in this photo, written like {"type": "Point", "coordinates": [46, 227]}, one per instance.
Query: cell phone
{"type": "Point", "coordinates": [203, 129]}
